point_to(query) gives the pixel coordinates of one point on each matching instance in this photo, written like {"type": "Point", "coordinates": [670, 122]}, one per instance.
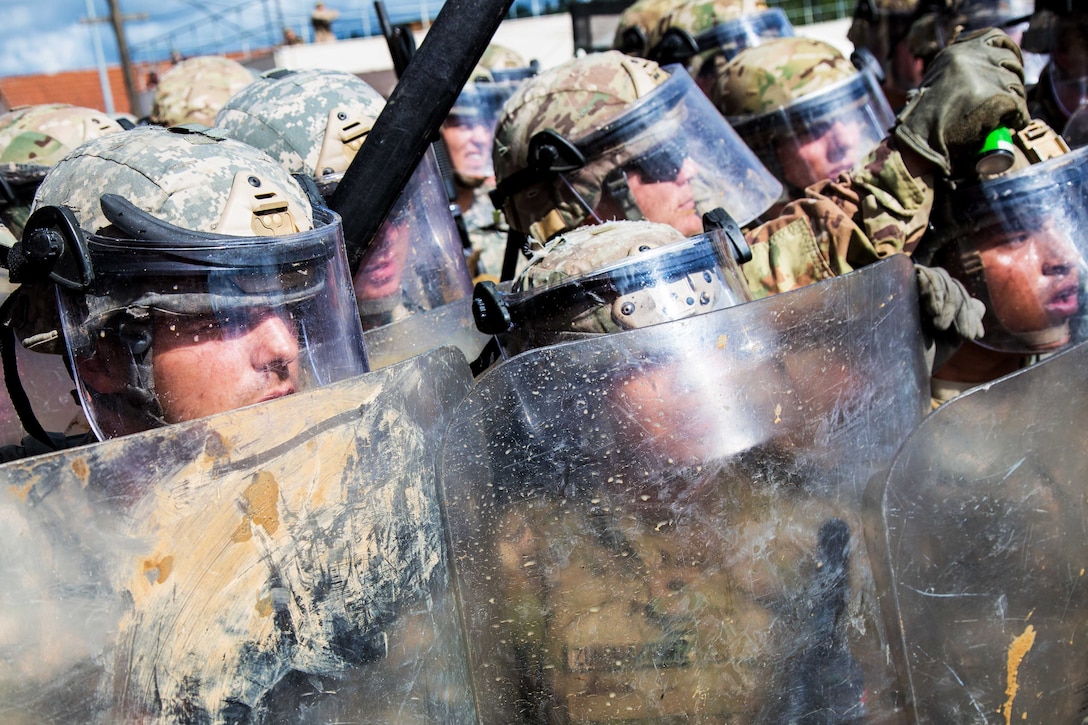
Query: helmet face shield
{"type": "Point", "coordinates": [416, 261]}
{"type": "Point", "coordinates": [649, 285]}
{"type": "Point", "coordinates": [670, 157]}
{"type": "Point", "coordinates": [820, 134]}
{"type": "Point", "coordinates": [1019, 247]}
{"type": "Point", "coordinates": [173, 331]}
{"type": "Point", "coordinates": [469, 129]}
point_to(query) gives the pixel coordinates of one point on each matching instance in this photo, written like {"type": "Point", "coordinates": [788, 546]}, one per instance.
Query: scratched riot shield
{"type": "Point", "coordinates": [663, 524]}
{"type": "Point", "coordinates": [980, 528]}
{"type": "Point", "coordinates": [279, 563]}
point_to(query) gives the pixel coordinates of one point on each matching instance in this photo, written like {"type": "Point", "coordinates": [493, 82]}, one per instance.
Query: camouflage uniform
{"type": "Point", "coordinates": [488, 232]}
{"type": "Point", "coordinates": [195, 89]}
{"type": "Point", "coordinates": [880, 208]}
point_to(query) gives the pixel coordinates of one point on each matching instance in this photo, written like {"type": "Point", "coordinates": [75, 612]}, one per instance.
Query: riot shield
{"type": "Point", "coordinates": [279, 563]}
{"type": "Point", "coordinates": [450, 324]}
{"type": "Point", "coordinates": [979, 551]}
{"type": "Point", "coordinates": [663, 524]}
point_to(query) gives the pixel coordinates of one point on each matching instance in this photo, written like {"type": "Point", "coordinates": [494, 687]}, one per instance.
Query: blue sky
{"type": "Point", "coordinates": [47, 36]}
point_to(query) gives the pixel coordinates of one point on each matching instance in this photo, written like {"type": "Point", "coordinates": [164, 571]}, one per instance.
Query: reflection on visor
{"type": "Point", "coordinates": [661, 164]}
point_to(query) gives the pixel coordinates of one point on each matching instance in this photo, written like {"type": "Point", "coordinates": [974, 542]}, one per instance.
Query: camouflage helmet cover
{"type": "Point", "coordinates": [33, 139]}
{"type": "Point", "coordinates": [618, 276]}
{"type": "Point", "coordinates": [636, 22]}
{"type": "Point", "coordinates": [44, 134]}
{"type": "Point", "coordinates": [499, 56]}
{"type": "Point", "coordinates": [573, 99]}
{"type": "Point", "coordinates": [695, 17]}
{"type": "Point", "coordinates": [182, 178]}
{"type": "Point", "coordinates": [311, 121]}
{"type": "Point", "coordinates": [195, 89]}
{"type": "Point", "coordinates": [777, 73]}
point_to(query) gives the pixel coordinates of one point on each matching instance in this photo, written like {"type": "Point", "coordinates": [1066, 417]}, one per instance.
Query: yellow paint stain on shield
{"type": "Point", "coordinates": [82, 470]}
{"type": "Point", "coordinates": [158, 570]}
{"type": "Point", "coordinates": [263, 606]}
{"type": "Point", "coordinates": [1017, 651]}
{"type": "Point", "coordinates": [259, 507]}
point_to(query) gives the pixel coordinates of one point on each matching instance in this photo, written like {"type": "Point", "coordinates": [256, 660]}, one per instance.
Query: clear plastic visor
{"type": "Point", "coordinates": [209, 328]}
{"type": "Point", "coordinates": [677, 158]}
{"type": "Point", "coordinates": [469, 129]}
{"type": "Point", "coordinates": [733, 36]}
{"type": "Point", "coordinates": [416, 262]}
{"type": "Point", "coordinates": [821, 134]}
{"type": "Point", "coordinates": [675, 281]}
{"type": "Point", "coordinates": [1021, 249]}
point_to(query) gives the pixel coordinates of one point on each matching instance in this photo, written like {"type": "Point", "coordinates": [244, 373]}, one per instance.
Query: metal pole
{"type": "Point", "coordinates": [122, 47]}
{"type": "Point", "coordinates": [100, 58]}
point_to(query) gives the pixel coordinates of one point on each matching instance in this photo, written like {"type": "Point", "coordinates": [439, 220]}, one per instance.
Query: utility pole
{"type": "Point", "coordinates": [117, 20]}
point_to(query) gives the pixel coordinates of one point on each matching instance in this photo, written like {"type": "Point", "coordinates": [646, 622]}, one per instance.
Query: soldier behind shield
{"type": "Point", "coordinates": [208, 282]}
{"type": "Point", "coordinates": [803, 108]}
{"type": "Point", "coordinates": [1014, 240]}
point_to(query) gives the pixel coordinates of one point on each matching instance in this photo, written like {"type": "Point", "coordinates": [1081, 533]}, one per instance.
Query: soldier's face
{"type": "Point", "coordinates": [668, 200]}
{"type": "Point", "coordinates": [380, 272]}
{"type": "Point", "coordinates": [469, 144]}
{"type": "Point", "coordinates": [1033, 278]}
{"type": "Point", "coordinates": [821, 153]}
{"type": "Point", "coordinates": [202, 367]}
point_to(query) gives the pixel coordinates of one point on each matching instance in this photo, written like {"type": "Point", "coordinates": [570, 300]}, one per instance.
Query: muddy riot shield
{"type": "Point", "coordinates": [279, 563]}
{"type": "Point", "coordinates": [980, 549]}
{"type": "Point", "coordinates": [663, 524]}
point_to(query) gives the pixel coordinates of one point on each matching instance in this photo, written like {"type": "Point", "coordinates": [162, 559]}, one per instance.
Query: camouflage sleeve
{"type": "Point", "coordinates": [878, 209]}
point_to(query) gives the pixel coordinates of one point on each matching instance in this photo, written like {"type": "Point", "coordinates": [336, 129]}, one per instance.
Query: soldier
{"type": "Point", "coordinates": [33, 139]}
{"type": "Point", "coordinates": [705, 34]}
{"type": "Point", "coordinates": [195, 89]}
{"type": "Point", "coordinates": [805, 110]}
{"type": "Point", "coordinates": [314, 122]}
{"type": "Point", "coordinates": [1013, 239]}
{"type": "Point", "coordinates": [468, 133]}
{"type": "Point", "coordinates": [881, 27]}
{"type": "Point", "coordinates": [1060, 28]}
{"type": "Point", "coordinates": [321, 20]}
{"type": "Point", "coordinates": [644, 537]}
{"type": "Point", "coordinates": [609, 136]}
{"type": "Point", "coordinates": [195, 278]}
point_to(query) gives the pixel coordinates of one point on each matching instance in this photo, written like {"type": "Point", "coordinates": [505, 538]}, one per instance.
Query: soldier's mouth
{"type": "Point", "coordinates": [1065, 301]}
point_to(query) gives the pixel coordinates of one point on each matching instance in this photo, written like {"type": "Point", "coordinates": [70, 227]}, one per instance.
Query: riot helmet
{"type": "Point", "coordinates": [313, 122]}
{"type": "Point", "coordinates": [803, 108]}
{"type": "Point", "coordinates": [196, 88]}
{"type": "Point", "coordinates": [611, 277]}
{"type": "Point", "coordinates": [704, 34]}
{"type": "Point", "coordinates": [608, 136]}
{"type": "Point", "coordinates": [32, 140]}
{"type": "Point", "coordinates": [635, 24]}
{"type": "Point", "coordinates": [193, 276]}
{"type": "Point", "coordinates": [1016, 242]}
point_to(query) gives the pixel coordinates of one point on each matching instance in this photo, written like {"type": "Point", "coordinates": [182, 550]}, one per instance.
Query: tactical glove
{"type": "Point", "coordinates": [950, 315]}
{"type": "Point", "coordinates": [973, 86]}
